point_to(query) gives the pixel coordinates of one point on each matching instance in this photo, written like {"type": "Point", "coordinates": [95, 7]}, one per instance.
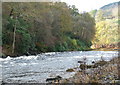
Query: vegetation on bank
{"type": "Point", "coordinates": [43, 27]}
{"type": "Point", "coordinates": [47, 26]}
{"type": "Point", "coordinates": [107, 26]}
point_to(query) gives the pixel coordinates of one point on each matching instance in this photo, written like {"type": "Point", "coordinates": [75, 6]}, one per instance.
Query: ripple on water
{"type": "Point", "coordinates": [38, 68]}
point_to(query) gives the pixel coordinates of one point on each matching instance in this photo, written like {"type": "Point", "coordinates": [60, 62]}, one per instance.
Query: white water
{"type": "Point", "coordinates": [36, 69]}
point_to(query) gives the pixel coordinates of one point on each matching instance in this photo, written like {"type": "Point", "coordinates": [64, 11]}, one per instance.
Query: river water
{"type": "Point", "coordinates": [35, 69]}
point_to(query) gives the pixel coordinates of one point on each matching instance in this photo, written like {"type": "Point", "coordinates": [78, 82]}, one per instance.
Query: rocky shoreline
{"type": "Point", "coordinates": [103, 74]}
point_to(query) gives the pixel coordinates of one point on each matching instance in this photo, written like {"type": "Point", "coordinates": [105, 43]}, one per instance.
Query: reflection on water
{"type": "Point", "coordinates": [37, 68]}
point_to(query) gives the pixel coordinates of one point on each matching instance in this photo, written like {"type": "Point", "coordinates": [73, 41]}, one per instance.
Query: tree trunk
{"type": "Point", "coordinates": [13, 45]}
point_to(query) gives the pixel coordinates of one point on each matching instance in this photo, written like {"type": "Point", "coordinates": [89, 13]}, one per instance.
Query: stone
{"type": "Point", "coordinates": [70, 70]}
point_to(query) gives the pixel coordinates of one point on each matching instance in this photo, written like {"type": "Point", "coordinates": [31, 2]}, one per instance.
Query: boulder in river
{"type": "Point", "coordinates": [70, 70]}
{"type": "Point", "coordinates": [81, 62]}
{"type": "Point", "coordinates": [54, 80]}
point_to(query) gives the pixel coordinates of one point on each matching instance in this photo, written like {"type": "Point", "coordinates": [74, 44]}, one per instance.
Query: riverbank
{"type": "Point", "coordinates": [6, 54]}
{"type": "Point", "coordinates": [106, 49]}
{"type": "Point", "coordinates": [107, 73]}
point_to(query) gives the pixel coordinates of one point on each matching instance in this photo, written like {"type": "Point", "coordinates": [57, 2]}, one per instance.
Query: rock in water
{"type": "Point", "coordinates": [70, 70]}
{"type": "Point", "coordinates": [54, 80]}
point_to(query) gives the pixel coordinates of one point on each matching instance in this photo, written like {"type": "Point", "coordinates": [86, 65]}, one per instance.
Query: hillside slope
{"type": "Point", "coordinates": [107, 21]}
{"type": "Point", "coordinates": [109, 11]}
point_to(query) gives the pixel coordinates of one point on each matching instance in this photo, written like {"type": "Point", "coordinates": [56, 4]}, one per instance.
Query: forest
{"type": "Point", "coordinates": [54, 26]}
{"type": "Point", "coordinates": [107, 26]}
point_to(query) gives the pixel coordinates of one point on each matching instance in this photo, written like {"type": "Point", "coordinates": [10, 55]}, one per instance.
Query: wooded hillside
{"type": "Point", "coordinates": [44, 27]}
{"type": "Point", "coordinates": [107, 26]}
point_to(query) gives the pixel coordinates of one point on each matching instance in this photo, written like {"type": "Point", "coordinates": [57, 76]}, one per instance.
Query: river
{"type": "Point", "coordinates": [35, 69]}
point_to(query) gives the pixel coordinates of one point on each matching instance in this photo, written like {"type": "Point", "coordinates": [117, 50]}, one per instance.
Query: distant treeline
{"type": "Point", "coordinates": [45, 27]}
{"type": "Point", "coordinates": [107, 33]}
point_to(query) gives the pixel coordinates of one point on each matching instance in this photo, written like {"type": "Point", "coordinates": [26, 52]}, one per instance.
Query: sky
{"type": "Point", "coordinates": [88, 5]}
